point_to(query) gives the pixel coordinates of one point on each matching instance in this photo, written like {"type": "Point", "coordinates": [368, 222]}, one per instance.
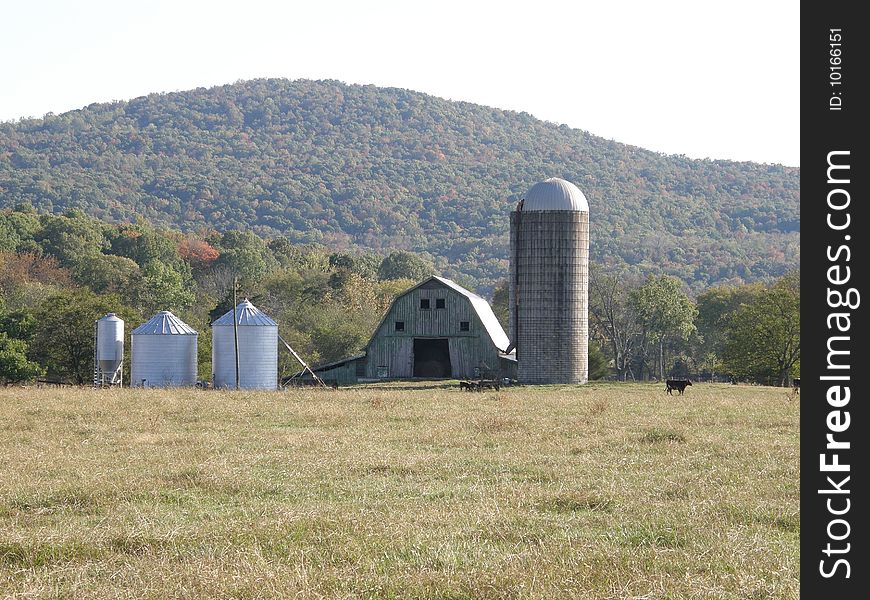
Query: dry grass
{"type": "Point", "coordinates": [602, 491]}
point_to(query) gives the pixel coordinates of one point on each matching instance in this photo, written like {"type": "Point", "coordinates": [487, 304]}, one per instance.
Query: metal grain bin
{"type": "Point", "coordinates": [109, 349]}
{"type": "Point", "coordinates": [258, 349]}
{"type": "Point", "coordinates": [549, 284]}
{"type": "Point", "coordinates": [163, 352]}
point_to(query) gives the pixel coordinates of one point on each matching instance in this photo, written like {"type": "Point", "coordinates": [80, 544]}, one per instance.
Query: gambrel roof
{"type": "Point", "coordinates": [481, 307]}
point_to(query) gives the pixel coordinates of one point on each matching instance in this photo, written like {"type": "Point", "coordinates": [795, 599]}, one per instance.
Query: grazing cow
{"type": "Point", "coordinates": [797, 385]}
{"type": "Point", "coordinates": [676, 384]}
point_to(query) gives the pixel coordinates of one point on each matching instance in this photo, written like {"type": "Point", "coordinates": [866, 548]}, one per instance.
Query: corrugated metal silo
{"type": "Point", "coordinates": [163, 352]}
{"type": "Point", "coordinates": [549, 284]}
{"type": "Point", "coordinates": [108, 350]}
{"type": "Point", "coordinates": [258, 349]}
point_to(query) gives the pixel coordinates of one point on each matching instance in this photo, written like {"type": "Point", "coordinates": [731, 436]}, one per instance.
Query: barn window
{"type": "Point", "coordinates": [424, 303]}
{"type": "Point", "coordinates": [440, 303]}
{"type": "Point", "coordinates": [400, 326]}
{"type": "Point", "coordinates": [464, 326]}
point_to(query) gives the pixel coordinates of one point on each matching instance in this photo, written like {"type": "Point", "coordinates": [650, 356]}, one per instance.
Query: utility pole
{"type": "Point", "coordinates": [236, 328]}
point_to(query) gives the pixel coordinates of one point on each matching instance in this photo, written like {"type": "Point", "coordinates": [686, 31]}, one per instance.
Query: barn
{"type": "Point", "coordinates": [436, 329]}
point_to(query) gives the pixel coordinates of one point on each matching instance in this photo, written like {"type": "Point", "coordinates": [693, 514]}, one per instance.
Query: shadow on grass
{"type": "Point", "coordinates": [17, 554]}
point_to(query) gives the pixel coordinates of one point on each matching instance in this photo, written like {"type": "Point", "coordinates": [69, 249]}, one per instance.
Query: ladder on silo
{"type": "Point", "coordinates": [97, 378]}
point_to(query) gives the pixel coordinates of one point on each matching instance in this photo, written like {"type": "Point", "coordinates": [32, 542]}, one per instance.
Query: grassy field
{"type": "Point", "coordinates": [600, 491]}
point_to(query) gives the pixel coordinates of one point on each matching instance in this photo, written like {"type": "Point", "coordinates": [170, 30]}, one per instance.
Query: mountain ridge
{"type": "Point", "coordinates": [382, 168]}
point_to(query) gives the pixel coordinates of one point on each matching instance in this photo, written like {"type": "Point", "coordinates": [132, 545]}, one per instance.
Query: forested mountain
{"type": "Point", "coordinates": [380, 168]}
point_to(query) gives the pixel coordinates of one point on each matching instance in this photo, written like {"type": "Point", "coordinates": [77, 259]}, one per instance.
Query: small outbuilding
{"type": "Point", "coordinates": [436, 329]}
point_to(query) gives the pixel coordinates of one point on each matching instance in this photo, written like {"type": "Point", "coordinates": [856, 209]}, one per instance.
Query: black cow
{"type": "Point", "coordinates": [796, 382]}
{"type": "Point", "coordinates": [676, 384]}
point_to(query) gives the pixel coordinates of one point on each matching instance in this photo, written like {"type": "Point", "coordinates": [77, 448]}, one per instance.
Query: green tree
{"type": "Point", "coordinates": [18, 228]}
{"type": "Point", "coordinates": [307, 257]}
{"type": "Point", "coordinates": [9, 238]}
{"type": "Point", "coordinates": [365, 265]}
{"type": "Point", "coordinates": [500, 304]}
{"type": "Point", "coordinates": [143, 244]}
{"type": "Point", "coordinates": [716, 307]}
{"type": "Point", "coordinates": [404, 265]}
{"type": "Point", "coordinates": [598, 368]}
{"type": "Point", "coordinates": [106, 273]}
{"type": "Point", "coordinates": [665, 313]}
{"type": "Point", "coordinates": [63, 339]}
{"type": "Point", "coordinates": [245, 254]}
{"type": "Point", "coordinates": [765, 334]}
{"type": "Point", "coordinates": [14, 366]}
{"type": "Point", "coordinates": [18, 324]}
{"type": "Point", "coordinates": [160, 287]}
{"type": "Point", "coordinates": [71, 238]}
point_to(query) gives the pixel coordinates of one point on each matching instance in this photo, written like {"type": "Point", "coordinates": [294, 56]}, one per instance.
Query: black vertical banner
{"type": "Point", "coordinates": [834, 415]}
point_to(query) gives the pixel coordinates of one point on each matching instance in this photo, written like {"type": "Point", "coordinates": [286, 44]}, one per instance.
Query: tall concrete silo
{"type": "Point", "coordinates": [163, 352]}
{"type": "Point", "coordinates": [258, 349]}
{"type": "Point", "coordinates": [549, 284]}
{"type": "Point", "coordinates": [108, 350]}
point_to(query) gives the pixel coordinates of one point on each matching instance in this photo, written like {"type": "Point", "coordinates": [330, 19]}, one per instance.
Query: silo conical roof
{"type": "Point", "coordinates": [555, 194]}
{"type": "Point", "coordinates": [248, 315]}
{"type": "Point", "coordinates": [164, 323]}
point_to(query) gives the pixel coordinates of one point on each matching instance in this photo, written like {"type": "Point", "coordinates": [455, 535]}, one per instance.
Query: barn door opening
{"type": "Point", "coordinates": [432, 358]}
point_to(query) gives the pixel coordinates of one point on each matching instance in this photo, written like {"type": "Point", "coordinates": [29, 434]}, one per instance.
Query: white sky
{"type": "Point", "coordinates": [705, 79]}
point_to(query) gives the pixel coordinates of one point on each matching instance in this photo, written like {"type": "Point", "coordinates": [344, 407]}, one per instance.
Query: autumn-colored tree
{"type": "Point", "coordinates": [198, 252]}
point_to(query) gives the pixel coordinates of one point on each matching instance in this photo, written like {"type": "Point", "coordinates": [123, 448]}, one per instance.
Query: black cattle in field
{"type": "Point", "coordinates": [676, 384]}
{"type": "Point", "coordinates": [796, 382]}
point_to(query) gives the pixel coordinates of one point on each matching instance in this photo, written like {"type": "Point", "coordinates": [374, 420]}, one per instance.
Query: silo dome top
{"type": "Point", "coordinates": [164, 323]}
{"type": "Point", "coordinates": [247, 314]}
{"type": "Point", "coordinates": [555, 194]}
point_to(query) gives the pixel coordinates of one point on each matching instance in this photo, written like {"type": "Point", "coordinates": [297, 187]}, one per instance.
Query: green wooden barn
{"type": "Point", "coordinates": [436, 329]}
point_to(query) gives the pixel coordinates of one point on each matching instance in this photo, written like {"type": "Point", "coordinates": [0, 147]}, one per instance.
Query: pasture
{"type": "Point", "coordinates": [600, 491]}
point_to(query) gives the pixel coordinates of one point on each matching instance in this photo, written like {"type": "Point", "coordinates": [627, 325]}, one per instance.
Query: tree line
{"type": "Point", "coordinates": [375, 169]}
{"type": "Point", "coordinates": [59, 273]}
{"type": "Point", "coordinates": [651, 328]}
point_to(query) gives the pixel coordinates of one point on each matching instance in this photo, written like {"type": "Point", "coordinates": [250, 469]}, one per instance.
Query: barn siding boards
{"type": "Point", "coordinates": [343, 374]}
{"type": "Point", "coordinates": [394, 352]}
{"type": "Point", "coordinates": [469, 350]}
{"type": "Point", "coordinates": [390, 353]}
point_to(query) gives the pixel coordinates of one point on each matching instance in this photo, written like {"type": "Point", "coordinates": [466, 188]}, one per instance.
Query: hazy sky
{"type": "Point", "coordinates": [705, 79]}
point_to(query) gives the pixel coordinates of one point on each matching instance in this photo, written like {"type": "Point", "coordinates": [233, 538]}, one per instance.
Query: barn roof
{"type": "Point", "coordinates": [481, 307]}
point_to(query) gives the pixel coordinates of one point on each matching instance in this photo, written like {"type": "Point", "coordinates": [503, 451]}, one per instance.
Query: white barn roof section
{"type": "Point", "coordinates": [164, 323]}
{"type": "Point", "coordinates": [248, 315]}
{"type": "Point", "coordinates": [555, 194]}
{"type": "Point", "coordinates": [484, 312]}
